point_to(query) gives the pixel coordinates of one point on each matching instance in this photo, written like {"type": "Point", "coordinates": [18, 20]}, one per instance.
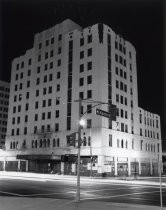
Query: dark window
{"type": "Point", "coordinates": [29, 72]}
{"type": "Point", "coordinates": [30, 61]}
{"type": "Point", "coordinates": [89, 94]}
{"type": "Point", "coordinates": [58, 75]}
{"type": "Point", "coordinates": [58, 87]}
{"type": "Point", "coordinates": [81, 81]}
{"type": "Point", "coordinates": [81, 54]}
{"type": "Point", "coordinates": [82, 68]}
{"type": "Point", "coordinates": [89, 108]}
{"type": "Point", "coordinates": [49, 102]}
{"type": "Point", "coordinates": [59, 50]}
{"type": "Point", "coordinates": [50, 77]}
{"type": "Point", "coordinates": [81, 95]}
{"type": "Point", "coordinates": [59, 37]}
{"type": "Point", "coordinates": [57, 114]}
{"type": "Point", "coordinates": [89, 79]}
{"type": "Point", "coordinates": [45, 78]}
{"type": "Point", "coordinates": [47, 42]}
{"type": "Point", "coordinates": [37, 92]}
{"type": "Point", "coordinates": [39, 57]}
{"type": "Point", "coordinates": [50, 89]}
{"type": "Point", "coordinates": [38, 69]}
{"type": "Point", "coordinates": [27, 95]}
{"type": "Point", "coordinates": [36, 105]}
{"type": "Point", "coordinates": [36, 117]}
{"type": "Point", "coordinates": [90, 52]}
{"type": "Point", "coordinates": [89, 65]}
{"type": "Point", "coordinates": [90, 38]}
{"type": "Point", "coordinates": [40, 45]}
{"type": "Point", "coordinates": [116, 57]}
{"type": "Point", "coordinates": [116, 45]}
{"type": "Point", "coordinates": [44, 103]}
{"type": "Point", "coordinates": [49, 115]}
{"type": "Point", "coordinates": [117, 84]}
{"type": "Point", "coordinates": [26, 107]}
{"type": "Point", "coordinates": [22, 64]}
{"type": "Point", "coordinates": [81, 41]}
{"type": "Point", "coordinates": [46, 55]}
{"type": "Point", "coordinates": [57, 101]}
{"type": "Point", "coordinates": [52, 40]}
{"type": "Point", "coordinates": [25, 130]}
{"type": "Point", "coordinates": [59, 62]}
{"type": "Point", "coordinates": [44, 91]}
{"type": "Point", "coordinates": [43, 116]}
{"type": "Point", "coordinates": [56, 127]}
{"type": "Point", "coordinates": [51, 53]}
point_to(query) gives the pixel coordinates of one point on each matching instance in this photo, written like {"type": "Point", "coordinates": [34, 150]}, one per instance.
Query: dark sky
{"type": "Point", "coordinates": [139, 21]}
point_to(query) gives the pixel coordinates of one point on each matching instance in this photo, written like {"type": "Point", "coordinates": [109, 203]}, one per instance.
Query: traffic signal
{"type": "Point", "coordinates": [71, 139]}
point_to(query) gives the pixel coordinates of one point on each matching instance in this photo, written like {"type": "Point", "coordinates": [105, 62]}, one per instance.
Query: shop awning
{"type": "Point", "coordinates": [39, 157]}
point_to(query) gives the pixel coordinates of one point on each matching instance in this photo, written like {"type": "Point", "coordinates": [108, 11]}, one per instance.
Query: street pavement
{"type": "Point", "coordinates": [29, 203]}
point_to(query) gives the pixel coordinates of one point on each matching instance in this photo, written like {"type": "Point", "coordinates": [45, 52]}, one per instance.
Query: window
{"type": "Point", "coordinates": [122, 127]}
{"type": "Point", "coordinates": [89, 65]}
{"type": "Point", "coordinates": [59, 50]}
{"type": "Point", "coordinates": [39, 58]}
{"type": "Point", "coordinates": [40, 45]}
{"type": "Point", "coordinates": [81, 81]}
{"type": "Point", "coordinates": [22, 64]}
{"type": "Point", "coordinates": [110, 140]}
{"type": "Point", "coordinates": [89, 51]}
{"type": "Point", "coordinates": [51, 65]}
{"type": "Point", "coordinates": [89, 123]}
{"type": "Point", "coordinates": [57, 114]}
{"type": "Point", "coordinates": [82, 41]}
{"type": "Point", "coordinates": [25, 130]}
{"type": "Point", "coordinates": [21, 75]}
{"type": "Point", "coordinates": [81, 68]}
{"type": "Point", "coordinates": [38, 69]}
{"type": "Point", "coordinates": [37, 92]}
{"type": "Point", "coordinates": [56, 127]}
{"type": "Point", "coordinates": [13, 120]}
{"type": "Point", "coordinates": [14, 109]}
{"type": "Point", "coordinates": [36, 117]}
{"type": "Point", "coordinates": [90, 38]}
{"type": "Point", "coordinates": [49, 115]}
{"type": "Point", "coordinates": [89, 94]}
{"type": "Point", "coordinates": [50, 77]}
{"type": "Point", "coordinates": [44, 91]}
{"type": "Point", "coordinates": [17, 66]}
{"type": "Point", "coordinates": [45, 78]}
{"type": "Point", "coordinates": [21, 86]}
{"type": "Point", "coordinates": [89, 108]}
{"type": "Point", "coordinates": [121, 111]}
{"type": "Point", "coordinates": [44, 103]}
{"type": "Point", "coordinates": [30, 61]}
{"type": "Point", "coordinates": [49, 102]}
{"type": "Point", "coordinates": [51, 53]}
{"type": "Point", "coordinates": [47, 42]}
{"type": "Point", "coordinates": [29, 72]}
{"type": "Point", "coordinates": [50, 89]}
{"type": "Point", "coordinates": [132, 144]}
{"type": "Point", "coordinates": [81, 95]}
{"type": "Point", "coordinates": [52, 40]}
{"type": "Point", "coordinates": [59, 37]}
{"type": "Point", "coordinates": [117, 84]}
{"type": "Point", "coordinates": [117, 98]}
{"type": "Point", "coordinates": [37, 81]}
{"type": "Point", "coordinates": [59, 62]}
{"type": "Point", "coordinates": [89, 79]}
{"type": "Point", "coordinates": [26, 107]}
{"type": "Point", "coordinates": [58, 87]}
{"type": "Point", "coordinates": [58, 75]}
{"type": "Point", "coordinates": [26, 118]}
{"type": "Point", "coordinates": [57, 100]}
{"type": "Point", "coordinates": [118, 143]}
{"type": "Point", "coordinates": [18, 120]}
{"type": "Point", "coordinates": [116, 57]}
{"type": "Point", "coordinates": [81, 54]}
{"type": "Point", "coordinates": [43, 116]}
{"type": "Point", "coordinates": [17, 131]}
{"type": "Point", "coordinates": [19, 108]}
{"type": "Point", "coordinates": [46, 55]}
{"type": "Point", "coordinates": [121, 99]}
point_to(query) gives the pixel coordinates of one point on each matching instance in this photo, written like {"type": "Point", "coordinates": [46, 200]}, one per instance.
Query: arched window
{"type": "Point", "coordinates": [126, 144]}
{"type": "Point", "coordinates": [118, 143]}
{"type": "Point", "coordinates": [122, 144]}
{"type": "Point", "coordinates": [44, 142]}
{"type": "Point", "coordinates": [32, 143]}
{"type": "Point", "coordinates": [48, 142]}
{"type": "Point", "coordinates": [11, 145]}
{"type": "Point", "coordinates": [58, 142]}
{"type": "Point", "coordinates": [40, 142]}
{"type": "Point", "coordinates": [54, 143]}
{"type": "Point", "coordinates": [35, 143]}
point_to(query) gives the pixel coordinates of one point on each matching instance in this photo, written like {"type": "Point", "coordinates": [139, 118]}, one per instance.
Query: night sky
{"type": "Point", "coordinates": [139, 21]}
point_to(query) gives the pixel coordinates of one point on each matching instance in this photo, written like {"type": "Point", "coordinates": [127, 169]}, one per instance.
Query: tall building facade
{"type": "Point", "coordinates": [68, 63]}
{"type": "Point", "coordinates": [4, 103]}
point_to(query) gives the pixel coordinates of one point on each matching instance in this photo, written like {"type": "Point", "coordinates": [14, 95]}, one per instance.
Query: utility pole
{"type": "Point", "coordinates": [78, 159]}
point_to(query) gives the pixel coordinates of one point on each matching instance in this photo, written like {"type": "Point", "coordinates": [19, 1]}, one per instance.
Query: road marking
{"type": "Point", "coordinates": [122, 195]}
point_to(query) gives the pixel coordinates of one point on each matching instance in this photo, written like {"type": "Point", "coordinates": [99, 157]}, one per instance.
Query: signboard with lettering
{"type": "Point", "coordinates": [103, 113]}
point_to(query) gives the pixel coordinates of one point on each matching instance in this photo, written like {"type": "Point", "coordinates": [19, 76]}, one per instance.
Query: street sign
{"type": "Point", "coordinates": [103, 113]}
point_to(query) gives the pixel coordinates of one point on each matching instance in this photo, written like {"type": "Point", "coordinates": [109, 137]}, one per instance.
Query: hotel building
{"type": "Point", "coordinates": [68, 62]}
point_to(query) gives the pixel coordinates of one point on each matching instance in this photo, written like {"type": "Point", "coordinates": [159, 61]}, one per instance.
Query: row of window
{"type": "Point", "coordinates": [4, 109]}
{"type": "Point", "coordinates": [89, 80]}
{"type": "Point", "coordinates": [121, 113]}
{"type": "Point", "coordinates": [3, 116]}
{"type": "Point", "coordinates": [89, 53]}
{"type": "Point", "coordinates": [3, 129]}
{"type": "Point", "coordinates": [2, 102]}
{"type": "Point", "coordinates": [4, 89]}
{"type": "Point", "coordinates": [21, 65]}
{"type": "Point", "coordinates": [121, 99]}
{"type": "Point", "coordinates": [148, 121]}
{"type": "Point", "coordinates": [2, 122]}
{"type": "Point", "coordinates": [149, 134]}
{"type": "Point", "coordinates": [121, 86]}
{"type": "Point", "coordinates": [89, 66]}
{"type": "Point", "coordinates": [22, 75]}
{"type": "Point", "coordinates": [2, 95]}
{"type": "Point", "coordinates": [120, 60]}
{"type": "Point", "coordinates": [49, 41]}
{"type": "Point", "coordinates": [121, 73]}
